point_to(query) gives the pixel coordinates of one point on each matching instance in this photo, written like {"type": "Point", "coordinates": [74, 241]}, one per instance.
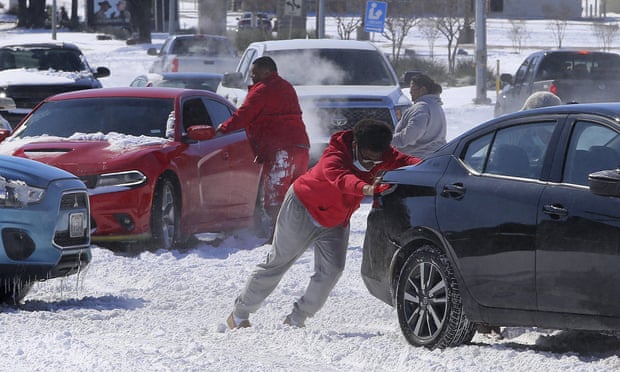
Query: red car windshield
{"type": "Point", "coordinates": [125, 115]}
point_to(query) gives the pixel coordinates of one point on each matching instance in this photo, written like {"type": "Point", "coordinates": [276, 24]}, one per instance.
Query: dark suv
{"type": "Point", "coordinates": [30, 73]}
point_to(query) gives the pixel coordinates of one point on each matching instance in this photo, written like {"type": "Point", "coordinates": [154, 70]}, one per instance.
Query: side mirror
{"type": "Point", "coordinates": [605, 182]}
{"type": "Point", "coordinates": [233, 80]}
{"type": "Point", "coordinates": [152, 51]}
{"type": "Point", "coordinates": [506, 78]}
{"type": "Point", "coordinates": [102, 72]}
{"type": "Point", "coordinates": [200, 132]}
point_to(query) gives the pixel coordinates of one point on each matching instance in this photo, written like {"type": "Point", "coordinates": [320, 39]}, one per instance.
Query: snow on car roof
{"type": "Point", "coordinates": [315, 44]}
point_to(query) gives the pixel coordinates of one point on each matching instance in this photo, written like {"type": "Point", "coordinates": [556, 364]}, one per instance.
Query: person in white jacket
{"type": "Point", "coordinates": [422, 128]}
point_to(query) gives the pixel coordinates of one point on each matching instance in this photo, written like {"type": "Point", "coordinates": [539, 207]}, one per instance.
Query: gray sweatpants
{"type": "Point", "coordinates": [295, 231]}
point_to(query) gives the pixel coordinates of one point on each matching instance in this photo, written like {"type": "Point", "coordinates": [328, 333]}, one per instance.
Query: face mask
{"type": "Point", "coordinates": [356, 161]}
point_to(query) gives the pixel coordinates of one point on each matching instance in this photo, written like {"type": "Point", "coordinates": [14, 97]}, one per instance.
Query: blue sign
{"type": "Point", "coordinates": [375, 16]}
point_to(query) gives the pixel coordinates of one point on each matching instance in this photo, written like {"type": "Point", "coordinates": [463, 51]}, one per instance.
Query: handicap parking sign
{"type": "Point", "coordinates": [375, 16]}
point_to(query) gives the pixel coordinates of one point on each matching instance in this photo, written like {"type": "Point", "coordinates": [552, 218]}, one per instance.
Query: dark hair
{"type": "Point", "coordinates": [423, 80]}
{"type": "Point", "coordinates": [266, 63]}
{"type": "Point", "coordinates": [373, 135]}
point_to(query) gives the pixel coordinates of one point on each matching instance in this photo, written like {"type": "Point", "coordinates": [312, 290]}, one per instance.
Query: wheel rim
{"type": "Point", "coordinates": [168, 216]}
{"type": "Point", "coordinates": [425, 300]}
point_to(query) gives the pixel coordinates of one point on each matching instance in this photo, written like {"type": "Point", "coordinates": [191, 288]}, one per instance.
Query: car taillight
{"type": "Point", "coordinates": [175, 65]}
{"type": "Point", "coordinates": [553, 88]}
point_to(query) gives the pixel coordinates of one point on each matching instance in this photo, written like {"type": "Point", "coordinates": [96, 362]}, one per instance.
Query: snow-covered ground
{"type": "Point", "coordinates": [165, 310]}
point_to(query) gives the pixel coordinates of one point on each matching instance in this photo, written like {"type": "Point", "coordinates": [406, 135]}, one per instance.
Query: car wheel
{"type": "Point", "coordinates": [165, 215]}
{"type": "Point", "coordinates": [428, 302]}
{"type": "Point", "coordinates": [13, 291]}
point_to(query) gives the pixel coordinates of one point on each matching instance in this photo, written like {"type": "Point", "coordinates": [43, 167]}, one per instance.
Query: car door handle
{"type": "Point", "coordinates": [225, 155]}
{"type": "Point", "coordinates": [456, 191]}
{"type": "Point", "coordinates": [555, 210]}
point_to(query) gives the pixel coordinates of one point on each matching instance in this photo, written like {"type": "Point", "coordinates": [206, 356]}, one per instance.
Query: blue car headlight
{"type": "Point", "coordinates": [18, 194]}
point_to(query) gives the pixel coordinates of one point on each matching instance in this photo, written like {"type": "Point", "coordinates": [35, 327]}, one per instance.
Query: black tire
{"type": "Point", "coordinates": [13, 291]}
{"type": "Point", "coordinates": [165, 216]}
{"type": "Point", "coordinates": [428, 302]}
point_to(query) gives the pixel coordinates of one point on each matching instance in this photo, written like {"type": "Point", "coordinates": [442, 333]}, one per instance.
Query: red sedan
{"type": "Point", "coordinates": [154, 169]}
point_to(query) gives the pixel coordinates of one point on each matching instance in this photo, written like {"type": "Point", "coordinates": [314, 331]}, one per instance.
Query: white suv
{"type": "Point", "coordinates": [338, 83]}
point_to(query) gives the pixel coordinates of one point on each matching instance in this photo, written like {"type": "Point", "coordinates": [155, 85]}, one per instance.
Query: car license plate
{"type": "Point", "coordinates": [76, 225]}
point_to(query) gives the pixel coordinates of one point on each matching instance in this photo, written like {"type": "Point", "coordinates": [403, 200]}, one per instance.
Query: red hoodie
{"type": "Point", "coordinates": [332, 190]}
{"type": "Point", "coordinates": [271, 116]}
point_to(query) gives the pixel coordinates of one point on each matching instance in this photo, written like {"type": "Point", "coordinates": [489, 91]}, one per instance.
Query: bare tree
{"type": "Point", "coordinates": [454, 17]}
{"type": "Point", "coordinates": [347, 25]}
{"type": "Point", "coordinates": [559, 22]}
{"type": "Point", "coordinates": [428, 28]}
{"type": "Point", "coordinates": [518, 34]}
{"type": "Point", "coordinates": [605, 33]}
{"type": "Point", "coordinates": [396, 30]}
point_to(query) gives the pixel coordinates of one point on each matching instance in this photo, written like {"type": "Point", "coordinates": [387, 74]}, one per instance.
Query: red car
{"type": "Point", "coordinates": [149, 178]}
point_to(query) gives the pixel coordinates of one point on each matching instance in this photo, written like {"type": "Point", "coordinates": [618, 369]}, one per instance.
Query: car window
{"type": "Point", "coordinates": [592, 147]}
{"type": "Point", "coordinates": [520, 74]}
{"type": "Point", "coordinates": [126, 115]}
{"type": "Point", "coordinates": [218, 111]}
{"type": "Point", "coordinates": [244, 65]}
{"type": "Point", "coordinates": [477, 151]}
{"type": "Point", "coordinates": [517, 151]}
{"type": "Point", "coordinates": [195, 113]}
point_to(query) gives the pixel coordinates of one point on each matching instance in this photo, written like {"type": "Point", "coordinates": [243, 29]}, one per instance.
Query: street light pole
{"type": "Point", "coordinates": [481, 54]}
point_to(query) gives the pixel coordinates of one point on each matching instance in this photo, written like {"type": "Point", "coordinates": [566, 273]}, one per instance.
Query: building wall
{"type": "Point", "coordinates": [564, 9]}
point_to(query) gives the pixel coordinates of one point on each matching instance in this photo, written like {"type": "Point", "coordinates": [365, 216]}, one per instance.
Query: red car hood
{"type": "Point", "coordinates": [81, 157]}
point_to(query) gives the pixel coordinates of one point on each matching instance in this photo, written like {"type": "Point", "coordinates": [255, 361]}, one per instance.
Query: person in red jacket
{"type": "Point", "coordinates": [271, 116]}
{"type": "Point", "coordinates": [316, 212]}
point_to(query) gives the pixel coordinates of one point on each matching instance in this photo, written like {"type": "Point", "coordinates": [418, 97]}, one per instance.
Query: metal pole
{"type": "Point", "coordinates": [481, 54]}
{"type": "Point", "coordinates": [171, 16]}
{"type": "Point", "coordinates": [321, 19]}
{"type": "Point", "coordinates": [54, 20]}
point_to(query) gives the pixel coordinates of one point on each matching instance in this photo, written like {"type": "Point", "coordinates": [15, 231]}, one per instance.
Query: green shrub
{"type": "Point", "coordinates": [432, 68]}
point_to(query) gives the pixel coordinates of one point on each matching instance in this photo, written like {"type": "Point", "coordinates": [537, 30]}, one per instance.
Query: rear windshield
{"type": "Point", "coordinates": [126, 115]}
{"type": "Point", "coordinates": [333, 67]}
{"type": "Point", "coordinates": [580, 66]}
{"type": "Point", "coordinates": [203, 46]}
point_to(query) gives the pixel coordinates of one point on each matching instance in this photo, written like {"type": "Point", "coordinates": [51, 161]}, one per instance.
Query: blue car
{"type": "Point", "coordinates": [44, 225]}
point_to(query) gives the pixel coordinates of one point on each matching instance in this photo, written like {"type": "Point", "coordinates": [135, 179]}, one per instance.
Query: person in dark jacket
{"type": "Point", "coordinates": [272, 118]}
{"type": "Point", "coordinates": [316, 212]}
{"type": "Point", "coordinates": [422, 128]}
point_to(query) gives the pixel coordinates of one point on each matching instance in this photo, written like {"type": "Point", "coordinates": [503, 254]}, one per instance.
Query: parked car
{"type": "Point", "coordinates": [187, 80]}
{"type": "Point", "coordinates": [573, 75]}
{"type": "Point", "coordinates": [149, 179]}
{"type": "Point", "coordinates": [338, 82]}
{"type": "Point", "coordinates": [514, 223]}
{"type": "Point", "coordinates": [44, 224]}
{"type": "Point", "coordinates": [31, 72]}
{"type": "Point", "coordinates": [256, 20]}
{"type": "Point", "coordinates": [194, 53]}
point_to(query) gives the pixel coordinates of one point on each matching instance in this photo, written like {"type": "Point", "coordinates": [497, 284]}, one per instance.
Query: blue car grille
{"type": "Point", "coordinates": [72, 201]}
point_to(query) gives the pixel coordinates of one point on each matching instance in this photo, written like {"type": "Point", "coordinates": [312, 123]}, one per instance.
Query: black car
{"type": "Point", "coordinates": [32, 72]}
{"type": "Point", "coordinates": [514, 223]}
